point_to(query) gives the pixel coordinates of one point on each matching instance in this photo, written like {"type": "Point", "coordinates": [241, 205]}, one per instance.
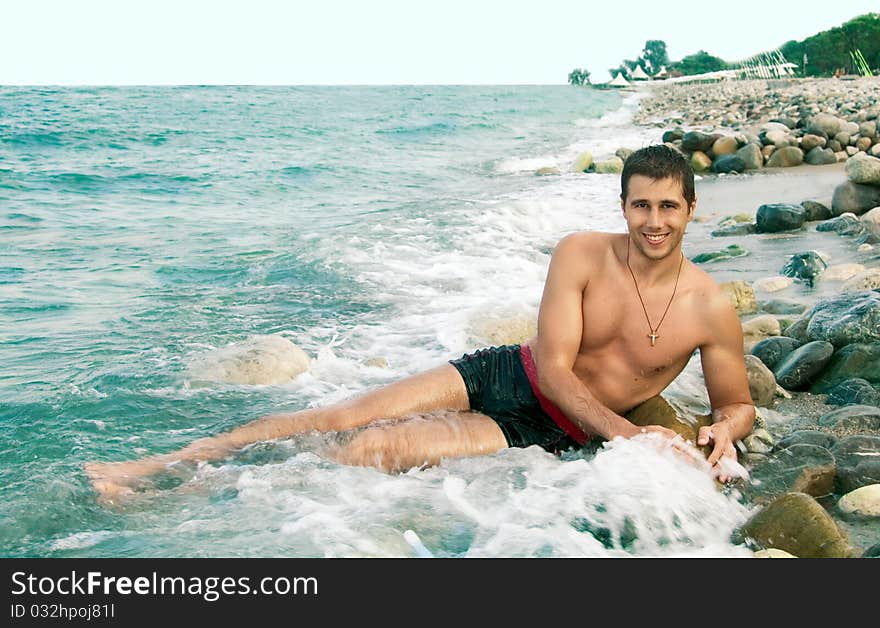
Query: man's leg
{"type": "Point", "coordinates": [422, 441]}
{"type": "Point", "coordinates": [441, 388]}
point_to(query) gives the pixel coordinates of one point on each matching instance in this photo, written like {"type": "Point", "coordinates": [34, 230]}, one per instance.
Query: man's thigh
{"type": "Point", "coordinates": [423, 440]}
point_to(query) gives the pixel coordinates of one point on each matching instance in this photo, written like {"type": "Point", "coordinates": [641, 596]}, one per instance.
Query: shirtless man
{"type": "Point", "coordinates": [620, 317]}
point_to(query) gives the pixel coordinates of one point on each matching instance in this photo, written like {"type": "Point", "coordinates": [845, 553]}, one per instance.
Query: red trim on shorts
{"type": "Point", "coordinates": [576, 433]}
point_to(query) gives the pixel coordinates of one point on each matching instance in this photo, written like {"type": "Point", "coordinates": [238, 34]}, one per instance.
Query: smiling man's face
{"type": "Point", "coordinates": [656, 214]}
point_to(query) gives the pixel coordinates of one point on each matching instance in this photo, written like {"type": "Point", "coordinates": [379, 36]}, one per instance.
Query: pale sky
{"type": "Point", "coordinates": [326, 42]}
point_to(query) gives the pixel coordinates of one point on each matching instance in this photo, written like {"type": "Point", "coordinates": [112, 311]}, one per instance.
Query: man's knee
{"type": "Point", "coordinates": [375, 447]}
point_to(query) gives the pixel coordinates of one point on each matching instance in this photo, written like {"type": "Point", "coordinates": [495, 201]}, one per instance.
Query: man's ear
{"type": "Point", "coordinates": [622, 204]}
{"type": "Point", "coordinates": [692, 210]}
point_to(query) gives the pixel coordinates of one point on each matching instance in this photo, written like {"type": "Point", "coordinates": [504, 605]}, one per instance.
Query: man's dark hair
{"type": "Point", "coordinates": [659, 162]}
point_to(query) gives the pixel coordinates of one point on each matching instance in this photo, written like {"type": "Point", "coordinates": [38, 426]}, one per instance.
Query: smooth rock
{"type": "Point", "coordinates": [846, 224]}
{"type": "Point", "coordinates": [786, 157]}
{"type": "Point", "coordinates": [782, 306]}
{"type": "Point", "coordinates": [734, 250]}
{"type": "Point", "coordinates": [846, 318]}
{"type": "Point", "coordinates": [867, 280]}
{"type": "Point", "coordinates": [805, 266]}
{"type": "Point", "coordinates": [762, 383]}
{"type": "Point", "coordinates": [803, 468]}
{"type": "Point", "coordinates": [771, 351]}
{"type": "Point", "coordinates": [613, 165]}
{"type": "Point", "coordinates": [852, 419]}
{"type": "Point", "coordinates": [624, 153]}
{"type": "Point", "coordinates": [796, 523]}
{"type": "Point", "coordinates": [728, 163]}
{"type": "Point", "coordinates": [260, 360]}
{"type": "Point", "coordinates": [760, 441]}
{"type": "Point", "coordinates": [872, 217]}
{"type": "Point", "coordinates": [700, 161]}
{"type": "Point", "coordinates": [858, 462]}
{"type": "Point", "coordinates": [741, 295]}
{"type": "Point", "coordinates": [798, 369]}
{"type": "Point", "coordinates": [863, 502]}
{"type": "Point", "coordinates": [658, 411]}
{"type": "Point", "coordinates": [824, 125]}
{"type": "Point", "coordinates": [863, 169]}
{"type": "Point", "coordinates": [725, 145]}
{"type": "Point", "coordinates": [820, 157]}
{"type": "Point", "coordinates": [854, 197]}
{"type": "Point", "coordinates": [810, 141]}
{"type": "Point", "coordinates": [697, 140]}
{"type": "Point", "coordinates": [772, 284]}
{"type": "Point", "coordinates": [751, 156]}
{"type": "Point", "coordinates": [776, 217]}
{"type": "Point", "coordinates": [854, 391]}
{"type": "Point", "coordinates": [807, 437]}
{"type": "Point", "coordinates": [816, 210]}
{"type": "Point", "coordinates": [773, 552]}
{"type": "Point", "coordinates": [855, 360]}
{"type": "Point", "coordinates": [842, 272]}
{"type": "Point", "coordinates": [547, 170]}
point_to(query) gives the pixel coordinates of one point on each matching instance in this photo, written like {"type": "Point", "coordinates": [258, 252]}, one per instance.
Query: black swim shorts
{"type": "Point", "coordinates": [497, 386]}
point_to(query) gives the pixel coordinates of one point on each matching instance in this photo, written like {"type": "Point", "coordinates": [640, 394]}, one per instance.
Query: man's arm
{"type": "Point", "coordinates": [560, 325]}
{"type": "Point", "coordinates": [733, 413]}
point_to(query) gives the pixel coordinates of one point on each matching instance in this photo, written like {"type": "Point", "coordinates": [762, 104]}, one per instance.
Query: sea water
{"type": "Point", "coordinates": [381, 230]}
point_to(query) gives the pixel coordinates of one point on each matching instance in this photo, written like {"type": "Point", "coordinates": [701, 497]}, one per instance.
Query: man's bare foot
{"type": "Point", "coordinates": [114, 481]}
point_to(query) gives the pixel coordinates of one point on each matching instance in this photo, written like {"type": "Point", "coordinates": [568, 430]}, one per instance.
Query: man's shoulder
{"type": "Point", "coordinates": [712, 301]}
{"type": "Point", "coordinates": [587, 240]}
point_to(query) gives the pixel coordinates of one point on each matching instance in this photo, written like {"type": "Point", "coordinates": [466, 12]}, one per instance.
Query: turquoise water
{"type": "Point", "coordinates": [143, 229]}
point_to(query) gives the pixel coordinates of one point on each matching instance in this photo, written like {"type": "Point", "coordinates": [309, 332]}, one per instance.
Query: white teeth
{"type": "Point", "coordinates": [655, 238]}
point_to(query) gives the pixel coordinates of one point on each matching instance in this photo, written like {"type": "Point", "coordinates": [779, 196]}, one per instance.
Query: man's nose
{"type": "Point", "coordinates": [654, 220]}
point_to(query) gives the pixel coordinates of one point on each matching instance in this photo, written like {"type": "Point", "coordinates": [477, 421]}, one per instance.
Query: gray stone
{"type": "Point", "coordinates": [872, 552]}
{"type": "Point", "coordinates": [771, 351]}
{"type": "Point", "coordinates": [824, 124]}
{"type": "Point", "coordinates": [846, 225]}
{"type": "Point", "coordinates": [816, 210]}
{"type": "Point", "coordinates": [786, 157]}
{"type": "Point", "coordinates": [868, 129]}
{"type": "Point", "coordinates": [798, 329]}
{"type": "Point", "coordinates": [810, 141]}
{"type": "Point", "coordinates": [807, 437]}
{"type": "Point", "coordinates": [854, 391]}
{"type": "Point", "coordinates": [798, 369]}
{"type": "Point", "coordinates": [738, 229]}
{"type": "Point", "coordinates": [855, 360]}
{"type": "Point", "coordinates": [728, 163]}
{"type": "Point", "coordinates": [697, 140]}
{"type": "Point", "coordinates": [776, 217]}
{"type": "Point", "coordinates": [623, 153]}
{"type": "Point", "coordinates": [734, 250]}
{"type": "Point", "coordinates": [846, 318]}
{"type": "Point", "coordinates": [796, 523]}
{"type": "Point", "coordinates": [760, 441]}
{"type": "Point", "coordinates": [820, 157]}
{"type": "Point", "coordinates": [762, 384]}
{"type": "Point", "coordinates": [858, 462]}
{"type": "Point", "coordinates": [803, 468]}
{"type": "Point", "coordinates": [863, 169]}
{"type": "Point", "coordinates": [852, 419]}
{"type": "Point", "coordinates": [804, 266]}
{"type": "Point", "coordinates": [854, 197]}
{"type": "Point", "coordinates": [782, 306]}
{"type": "Point", "coordinates": [751, 156]}
{"type": "Point", "coordinates": [672, 135]}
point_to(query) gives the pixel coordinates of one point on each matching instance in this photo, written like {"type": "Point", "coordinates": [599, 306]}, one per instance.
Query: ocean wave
{"type": "Point", "coordinates": [415, 131]}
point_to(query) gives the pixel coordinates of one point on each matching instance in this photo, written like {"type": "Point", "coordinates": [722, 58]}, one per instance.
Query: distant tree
{"type": "Point", "coordinates": [654, 56]}
{"type": "Point", "coordinates": [579, 76]}
{"type": "Point", "coordinates": [699, 63]}
{"type": "Point", "coordinates": [626, 68]}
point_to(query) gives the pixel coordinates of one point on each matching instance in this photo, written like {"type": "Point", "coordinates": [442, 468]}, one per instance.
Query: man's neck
{"type": "Point", "coordinates": [650, 272]}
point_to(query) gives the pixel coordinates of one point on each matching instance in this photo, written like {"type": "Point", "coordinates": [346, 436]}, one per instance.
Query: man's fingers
{"type": "Point", "coordinates": [705, 435]}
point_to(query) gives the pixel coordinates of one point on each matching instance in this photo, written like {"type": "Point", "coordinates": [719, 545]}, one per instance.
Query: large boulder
{"type": "Point", "coordinates": [851, 420]}
{"type": "Point", "coordinates": [862, 502]}
{"type": "Point", "coordinates": [612, 165]}
{"type": "Point", "coordinates": [856, 360]}
{"type": "Point", "coordinates": [847, 318]}
{"type": "Point", "coordinates": [804, 468]}
{"type": "Point", "coordinates": [816, 210]}
{"type": "Point", "coordinates": [823, 125]}
{"type": "Point", "coordinates": [820, 157]}
{"type": "Point", "coordinates": [854, 391]}
{"type": "Point", "coordinates": [847, 224]}
{"type": "Point", "coordinates": [854, 197]}
{"type": "Point", "coordinates": [796, 523]}
{"type": "Point", "coordinates": [583, 162]}
{"type": "Point", "coordinates": [658, 411]}
{"type": "Point", "coordinates": [807, 437]}
{"type": "Point", "coordinates": [776, 217]}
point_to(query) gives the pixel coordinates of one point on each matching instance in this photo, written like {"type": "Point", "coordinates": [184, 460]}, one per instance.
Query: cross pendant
{"type": "Point", "coordinates": [653, 337]}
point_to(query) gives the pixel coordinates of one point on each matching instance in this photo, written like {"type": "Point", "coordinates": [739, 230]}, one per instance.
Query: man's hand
{"type": "Point", "coordinates": [681, 447]}
{"type": "Point", "coordinates": [723, 450]}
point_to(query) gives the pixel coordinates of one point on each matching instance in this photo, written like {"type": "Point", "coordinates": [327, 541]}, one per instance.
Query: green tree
{"type": "Point", "coordinates": [699, 63]}
{"type": "Point", "coordinates": [579, 76]}
{"type": "Point", "coordinates": [654, 56]}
